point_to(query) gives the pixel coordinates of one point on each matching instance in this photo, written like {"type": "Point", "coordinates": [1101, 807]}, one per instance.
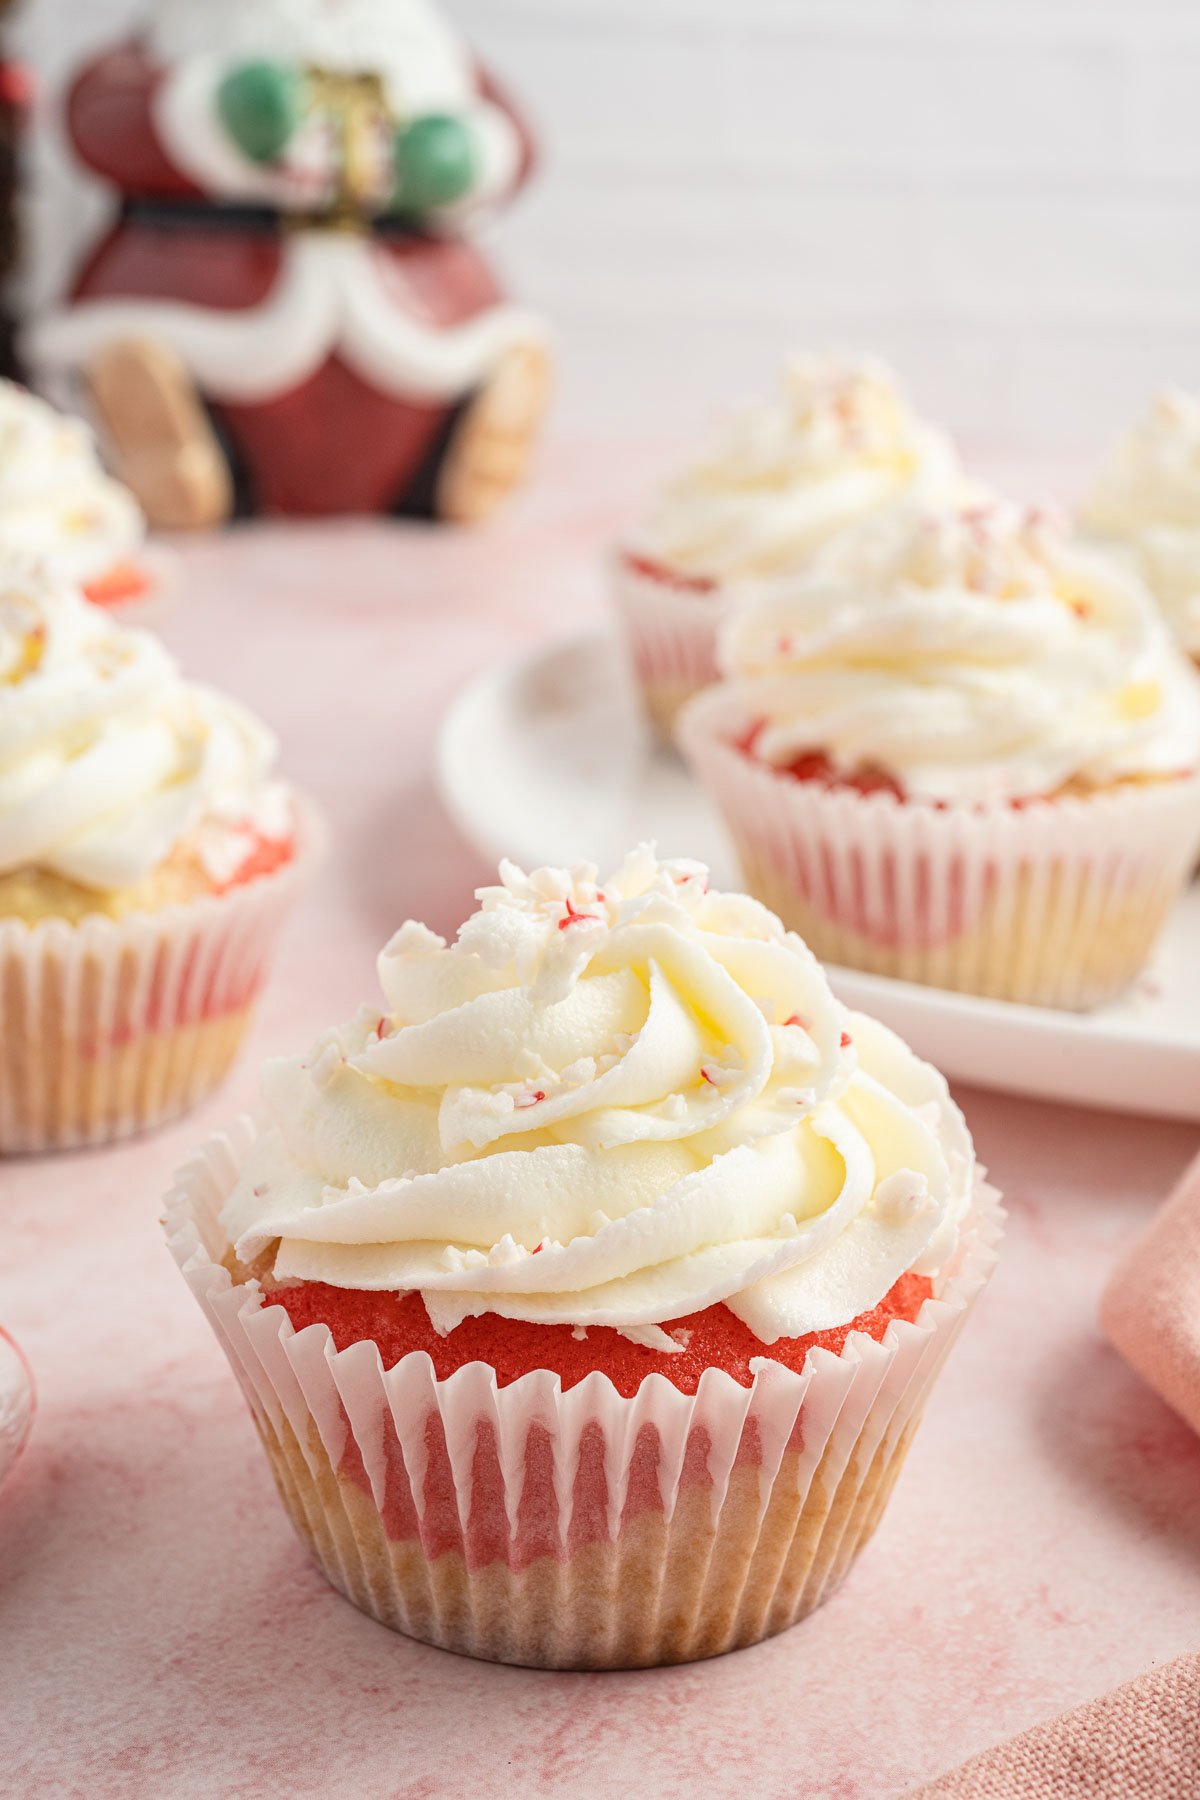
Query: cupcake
{"type": "Point", "coordinates": [60, 509]}
{"type": "Point", "coordinates": [964, 752]}
{"type": "Point", "coordinates": [838, 446]}
{"type": "Point", "coordinates": [146, 859]}
{"type": "Point", "coordinates": [1147, 502]}
{"type": "Point", "coordinates": [587, 1292]}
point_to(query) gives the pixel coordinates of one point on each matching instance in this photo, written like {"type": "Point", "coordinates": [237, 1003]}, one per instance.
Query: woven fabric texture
{"type": "Point", "coordinates": [1141, 1742]}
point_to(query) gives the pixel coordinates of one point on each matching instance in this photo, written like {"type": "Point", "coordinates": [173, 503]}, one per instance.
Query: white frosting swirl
{"type": "Point", "coordinates": [108, 759]}
{"type": "Point", "coordinates": [57, 505]}
{"type": "Point", "coordinates": [609, 1106]}
{"type": "Point", "coordinates": [973, 655]}
{"type": "Point", "coordinates": [1148, 497]}
{"type": "Point", "coordinates": [838, 446]}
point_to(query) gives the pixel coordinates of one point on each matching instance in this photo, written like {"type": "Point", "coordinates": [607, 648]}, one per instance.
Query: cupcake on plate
{"type": "Point", "coordinates": [586, 1294]}
{"type": "Point", "coordinates": [59, 508]}
{"type": "Point", "coordinates": [838, 445]}
{"type": "Point", "coordinates": [1146, 501]}
{"type": "Point", "coordinates": [146, 860]}
{"type": "Point", "coordinates": [963, 752]}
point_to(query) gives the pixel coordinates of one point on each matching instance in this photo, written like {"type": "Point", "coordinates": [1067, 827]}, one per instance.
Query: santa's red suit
{"type": "Point", "coordinates": [334, 349]}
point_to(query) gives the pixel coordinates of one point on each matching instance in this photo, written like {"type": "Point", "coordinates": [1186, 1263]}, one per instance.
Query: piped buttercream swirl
{"type": "Point", "coordinates": [1147, 497]}
{"type": "Point", "coordinates": [839, 445]}
{"type": "Point", "coordinates": [974, 655]}
{"type": "Point", "coordinates": [58, 507]}
{"type": "Point", "coordinates": [108, 758]}
{"type": "Point", "coordinates": [611, 1105]}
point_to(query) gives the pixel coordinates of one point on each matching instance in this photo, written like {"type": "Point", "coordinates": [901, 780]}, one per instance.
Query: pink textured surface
{"type": "Point", "coordinates": [162, 1631]}
{"type": "Point", "coordinates": [1151, 1306]}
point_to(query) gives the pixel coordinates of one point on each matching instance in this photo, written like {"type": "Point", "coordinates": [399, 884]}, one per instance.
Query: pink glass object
{"type": "Point", "coordinates": [16, 1403]}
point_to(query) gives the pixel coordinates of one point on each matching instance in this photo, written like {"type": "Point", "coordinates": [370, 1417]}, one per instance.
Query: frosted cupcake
{"type": "Point", "coordinates": [1147, 501]}
{"type": "Point", "coordinates": [59, 508]}
{"type": "Point", "coordinates": [146, 857]}
{"type": "Point", "coordinates": [838, 446]}
{"type": "Point", "coordinates": [586, 1294]}
{"type": "Point", "coordinates": [964, 752]}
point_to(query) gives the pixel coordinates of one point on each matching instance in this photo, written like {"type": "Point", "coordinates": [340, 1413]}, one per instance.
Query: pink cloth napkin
{"type": "Point", "coordinates": [1141, 1742]}
{"type": "Point", "coordinates": [1151, 1306]}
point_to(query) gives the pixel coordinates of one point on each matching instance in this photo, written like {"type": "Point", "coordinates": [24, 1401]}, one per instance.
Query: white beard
{"type": "Point", "coordinates": [424, 62]}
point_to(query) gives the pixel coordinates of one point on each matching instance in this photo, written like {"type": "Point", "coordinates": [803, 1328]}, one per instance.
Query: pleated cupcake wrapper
{"type": "Point", "coordinates": [17, 1402]}
{"type": "Point", "coordinates": [113, 1026]}
{"type": "Point", "coordinates": [670, 637]}
{"type": "Point", "coordinates": [1056, 903]}
{"type": "Point", "coordinates": [576, 1529]}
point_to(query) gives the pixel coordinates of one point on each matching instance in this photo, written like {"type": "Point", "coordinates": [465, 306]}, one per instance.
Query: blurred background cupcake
{"type": "Point", "coordinates": [1146, 501]}
{"type": "Point", "coordinates": [838, 445]}
{"type": "Point", "coordinates": [525, 1277]}
{"type": "Point", "coordinates": [60, 509]}
{"type": "Point", "coordinates": [146, 859]}
{"type": "Point", "coordinates": [962, 751]}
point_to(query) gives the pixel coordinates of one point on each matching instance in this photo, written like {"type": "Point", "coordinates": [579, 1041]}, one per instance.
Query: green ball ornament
{"type": "Point", "coordinates": [259, 105]}
{"type": "Point", "coordinates": [436, 163]}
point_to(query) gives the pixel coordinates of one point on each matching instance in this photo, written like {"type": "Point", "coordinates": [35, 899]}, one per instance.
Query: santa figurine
{"type": "Point", "coordinates": [288, 315]}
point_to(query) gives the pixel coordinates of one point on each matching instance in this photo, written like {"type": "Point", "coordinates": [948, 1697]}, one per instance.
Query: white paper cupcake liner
{"type": "Point", "coordinates": [113, 1026]}
{"type": "Point", "coordinates": [1056, 903]}
{"type": "Point", "coordinates": [670, 637]}
{"type": "Point", "coordinates": [576, 1529]}
{"type": "Point", "coordinates": [17, 1402]}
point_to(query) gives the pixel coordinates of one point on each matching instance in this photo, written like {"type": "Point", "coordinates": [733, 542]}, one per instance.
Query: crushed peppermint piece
{"type": "Point", "coordinates": [901, 1198]}
{"type": "Point", "coordinates": [327, 1064]}
{"type": "Point", "coordinates": [573, 916]}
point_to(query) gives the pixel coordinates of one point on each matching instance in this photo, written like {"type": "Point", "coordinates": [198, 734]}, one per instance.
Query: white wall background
{"type": "Point", "coordinates": [1002, 196]}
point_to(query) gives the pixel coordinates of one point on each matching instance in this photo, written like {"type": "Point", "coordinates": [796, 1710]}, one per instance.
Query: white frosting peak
{"type": "Point", "coordinates": [609, 1104]}
{"type": "Point", "coordinates": [57, 505]}
{"type": "Point", "coordinates": [977, 654]}
{"type": "Point", "coordinates": [1148, 497]}
{"type": "Point", "coordinates": [838, 445]}
{"type": "Point", "coordinates": [108, 759]}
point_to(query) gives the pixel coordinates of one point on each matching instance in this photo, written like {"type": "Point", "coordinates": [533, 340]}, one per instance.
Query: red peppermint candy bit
{"type": "Point", "coordinates": [573, 916]}
{"type": "Point", "coordinates": [705, 1076]}
{"type": "Point", "coordinates": [383, 1029]}
{"type": "Point", "coordinates": [530, 1099]}
{"type": "Point", "coordinates": [847, 1040]}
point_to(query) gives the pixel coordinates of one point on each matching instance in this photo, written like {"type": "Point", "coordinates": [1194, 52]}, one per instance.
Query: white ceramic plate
{"type": "Point", "coordinates": [546, 760]}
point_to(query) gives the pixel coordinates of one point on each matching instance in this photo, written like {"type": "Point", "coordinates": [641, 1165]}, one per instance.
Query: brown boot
{"type": "Point", "coordinates": [161, 439]}
{"type": "Point", "coordinates": [491, 446]}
